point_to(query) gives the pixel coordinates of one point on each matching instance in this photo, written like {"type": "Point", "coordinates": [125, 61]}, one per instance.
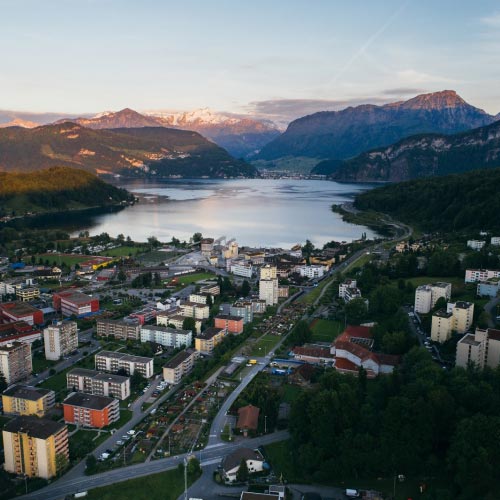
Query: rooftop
{"type": "Point", "coordinates": [178, 359]}
{"type": "Point", "coordinates": [75, 296]}
{"type": "Point", "coordinates": [234, 459]}
{"type": "Point", "coordinates": [26, 392]}
{"type": "Point", "coordinates": [463, 305]}
{"type": "Point", "coordinates": [124, 356]}
{"type": "Point", "coordinates": [210, 333]}
{"type": "Point", "coordinates": [248, 417]}
{"type": "Point", "coordinates": [166, 329]}
{"type": "Point", "coordinates": [228, 317]}
{"type": "Point", "coordinates": [19, 308]}
{"type": "Point", "coordinates": [40, 428]}
{"type": "Point", "coordinates": [469, 340]}
{"type": "Point", "coordinates": [89, 401]}
{"type": "Point", "coordinates": [443, 314]}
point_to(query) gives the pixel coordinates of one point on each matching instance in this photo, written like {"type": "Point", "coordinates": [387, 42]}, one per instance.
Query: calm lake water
{"type": "Point", "coordinates": [257, 212]}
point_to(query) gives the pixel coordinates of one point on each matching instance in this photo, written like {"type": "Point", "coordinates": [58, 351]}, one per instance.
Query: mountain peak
{"type": "Point", "coordinates": [435, 100]}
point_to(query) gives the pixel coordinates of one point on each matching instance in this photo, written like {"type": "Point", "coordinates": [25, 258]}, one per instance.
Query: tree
{"type": "Point", "coordinates": [90, 463]}
{"type": "Point", "coordinates": [307, 249]}
{"type": "Point", "coordinates": [197, 237]}
{"type": "Point", "coordinates": [242, 473]}
{"type": "Point", "coordinates": [356, 311]}
{"type": "Point", "coordinates": [189, 324]}
{"type": "Point", "coordinates": [440, 304]}
{"type": "Point", "coordinates": [121, 275]}
{"type": "Point", "coordinates": [3, 383]}
{"type": "Point", "coordinates": [245, 288]}
{"type": "Point", "coordinates": [137, 380]}
{"type": "Point", "coordinates": [61, 462]}
{"type": "Point", "coordinates": [301, 333]}
{"type": "Point", "coordinates": [193, 467]}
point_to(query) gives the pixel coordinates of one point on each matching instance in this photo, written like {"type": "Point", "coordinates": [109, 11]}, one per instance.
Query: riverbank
{"type": "Point", "coordinates": [376, 221]}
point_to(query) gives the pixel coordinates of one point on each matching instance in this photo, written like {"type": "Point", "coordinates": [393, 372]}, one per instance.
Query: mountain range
{"type": "Point", "coordinates": [421, 155]}
{"type": "Point", "coordinates": [338, 135]}
{"type": "Point", "coordinates": [131, 151]}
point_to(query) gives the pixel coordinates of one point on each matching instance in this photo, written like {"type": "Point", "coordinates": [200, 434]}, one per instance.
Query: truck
{"type": "Point", "coordinates": [81, 494]}
{"type": "Point", "coordinates": [252, 362]}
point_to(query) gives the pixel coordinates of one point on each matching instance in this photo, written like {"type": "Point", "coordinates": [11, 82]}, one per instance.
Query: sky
{"type": "Point", "coordinates": [273, 59]}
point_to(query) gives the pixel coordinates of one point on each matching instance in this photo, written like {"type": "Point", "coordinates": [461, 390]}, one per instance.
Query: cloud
{"type": "Point", "coordinates": [413, 76]}
{"type": "Point", "coordinates": [492, 21]}
{"type": "Point", "coordinates": [403, 91]}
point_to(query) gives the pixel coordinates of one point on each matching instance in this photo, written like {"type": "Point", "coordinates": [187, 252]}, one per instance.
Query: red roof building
{"type": "Point", "coordinates": [74, 303]}
{"type": "Point", "coordinates": [248, 419]}
{"type": "Point", "coordinates": [20, 311]}
{"type": "Point", "coordinates": [313, 355]}
{"type": "Point", "coordinates": [18, 331]}
{"type": "Point", "coordinates": [232, 324]}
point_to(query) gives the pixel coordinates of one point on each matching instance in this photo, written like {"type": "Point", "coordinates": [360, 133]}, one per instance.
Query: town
{"type": "Point", "coordinates": [121, 359]}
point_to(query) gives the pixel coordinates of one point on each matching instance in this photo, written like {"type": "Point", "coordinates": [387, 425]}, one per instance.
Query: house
{"type": "Point", "coordinates": [89, 410]}
{"type": "Point", "coordinates": [169, 318]}
{"type": "Point", "coordinates": [242, 309]}
{"type": "Point", "coordinates": [248, 419]}
{"type": "Point", "coordinates": [232, 462]}
{"type": "Point", "coordinates": [31, 446]}
{"type": "Point", "coordinates": [27, 400]}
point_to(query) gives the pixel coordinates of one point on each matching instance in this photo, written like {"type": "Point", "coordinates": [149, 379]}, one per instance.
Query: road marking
{"type": "Point", "coordinates": [214, 445]}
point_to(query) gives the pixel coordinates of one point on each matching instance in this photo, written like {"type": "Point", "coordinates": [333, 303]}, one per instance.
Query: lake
{"type": "Point", "coordinates": [257, 212]}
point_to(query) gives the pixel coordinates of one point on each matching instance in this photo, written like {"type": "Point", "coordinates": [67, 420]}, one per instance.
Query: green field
{"type": "Point", "coordinates": [364, 259]}
{"type": "Point", "coordinates": [61, 258]}
{"type": "Point", "coordinates": [188, 279]}
{"type": "Point", "coordinates": [123, 251]}
{"type": "Point", "coordinates": [264, 345]}
{"type": "Point", "coordinates": [325, 330]}
{"type": "Point", "coordinates": [164, 486]}
{"type": "Point", "coordinates": [310, 297]}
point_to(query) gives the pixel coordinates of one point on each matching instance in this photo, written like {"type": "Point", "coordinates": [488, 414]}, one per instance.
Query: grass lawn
{"type": "Point", "coordinates": [188, 279]}
{"type": "Point", "coordinates": [325, 330]}
{"type": "Point", "coordinates": [125, 416]}
{"type": "Point", "coordinates": [123, 251]}
{"type": "Point", "coordinates": [364, 259]}
{"type": "Point", "coordinates": [164, 486]}
{"type": "Point", "coordinates": [60, 258]}
{"type": "Point", "coordinates": [264, 345]}
{"type": "Point", "coordinates": [41, 364]}
{"type": "Point", "coordinates": [310, 297]}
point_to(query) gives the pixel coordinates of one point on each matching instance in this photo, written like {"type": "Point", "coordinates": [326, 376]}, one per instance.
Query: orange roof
{"type": "Point", "coordinates": [362, 332]}
{"type": "Point", "coordinates": [345, 364]}
{"type": "Point", "coordinates": [314, 352]}
{"type": "Point", "coordinates": [248, 417]}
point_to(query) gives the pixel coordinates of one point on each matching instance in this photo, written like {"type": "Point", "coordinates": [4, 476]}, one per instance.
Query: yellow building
{"type": "Point", "coordinates": [27, 400]}
{"type": "Point", "coordinates": [206, 341]}
{"type": "Point", "coordinates": [457, 318]}
{"type": "Point", "coordinates": [442, 326]}
{"type": "Point", "coordinates": [323, 261]}
{"type": "Point", "coordinates": [28, 293]}
{"type": "Point", "coordinates": [35, 447]}
{"type": "Point", "coordinates": [268, 272]}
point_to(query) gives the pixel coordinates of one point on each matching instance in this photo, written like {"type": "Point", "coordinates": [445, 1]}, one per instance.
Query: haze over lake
{"type": "Point", "coordinates": [257, 212]}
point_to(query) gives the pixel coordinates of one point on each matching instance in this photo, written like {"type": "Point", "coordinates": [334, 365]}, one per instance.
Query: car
{"type": "Point", "coordinates": [131, 432]}
{"type": "Point", "coordinates": [119, 442]}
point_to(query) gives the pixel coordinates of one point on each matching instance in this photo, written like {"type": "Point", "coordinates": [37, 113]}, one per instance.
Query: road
{"type": "Point", "coordinates": [491, 309]}
{"type": "Point", "coordinates": [211, 455]}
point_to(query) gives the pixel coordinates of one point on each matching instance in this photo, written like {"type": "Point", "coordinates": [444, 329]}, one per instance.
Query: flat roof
{"type": "Point", "coordinates": [228, 317]}
{"type": "Point", "coordinates": [90, 401]}
{"type": "Point", "coordinates": [40, 428]}
{"type": "Point", "coordinates": [125, 356]}
{"type": "Point", "coordinates": [443, 314]}
{"type": "Point", "coordinates": [19, 308]}
{"type": "Point", "coordinates": [166, 329]}
{"type": "Point", "coordinates": [469, 340]}
{"type": "Point", "coordinates": [76, 297]}
{"type": "Point", "coordinates": [178, 359]}
{"type": "Point", "coordinates": [26, 392]}
{"type": "Point", "coordinates": [210, 333]}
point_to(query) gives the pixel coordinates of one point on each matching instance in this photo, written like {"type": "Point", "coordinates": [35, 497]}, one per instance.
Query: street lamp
{"type": "Point", "coordinates": [265, 424]}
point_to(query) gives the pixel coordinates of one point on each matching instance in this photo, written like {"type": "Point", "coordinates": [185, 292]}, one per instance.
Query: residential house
{"type": "Point", "coordinates": [248, 419]}
{"type": "Point", "coordinates": [232, 462]}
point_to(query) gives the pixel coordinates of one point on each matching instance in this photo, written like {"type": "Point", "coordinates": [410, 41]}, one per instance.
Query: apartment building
{"type": "Point", "coordinates": [195, 310]}
{"type": "Point", "coordinates": [15, 362]}
{"type": "Point", "coordinates": [180, 365]}
{"type": "Point", "coordinates": [268, 272]}
{"type": "Point", "coordinates": [268, 287]}
{"type": "Point", "coordinates": [74, 303]}
{"type": "Point", "coordinates": [28, 293]}
{"type": "Point", "coordinates": [474, 275]}
{"type": "Point", "coordinates": [243, 309]}
{"type": "Point", "coordinates": [211, 287]}
{"type": "Point", "coordinates": [495, 240]}
{"type": "Point", "coordinates": [457, 318]}
{"type": "Point", "coordinates": [19, 331]}
{"type": "Point", "coordinates": [345, 286]}
{"type": "Point", "coordinates": [198, 298]}
{"type": "Point", "coordinates": [207, 246]}
{"type": "Point", "coordinates": [176, 320]}
{"type": "Point", "coordinates": [206, 341]}
{"type": "Point", "coordinates": [426, 296]}
{"type": "Point", "coordinates": [97, 383]}
{"type": "Point", "coordinates": [89, 410]}
{"type": "Point", "coordinates": [480, 349]}
{"type": "Point", "coordinates": [231, 324]}
{"type": "Point", "coordinates": [241, 268]}
{"type": "Point", "coordinates": [60, 339]}
{"type": "Point", "coordinates": [124, 330]}
{"type": "Point", "coordinates": [476, 244]}
{"type": "Point", "coordinates": [20, 311]}
{"type": "Point", "coordinates": [489, 288]}
{"type": "Point", "coordinates": [312, 272]}
{"type": "Point", "coordinates": [32, 446]}
{"type": "Point", "coordinates": [27, 400]}
{"type": "Point", "coordinates": [259, 306]}
{"type": "Point", "coordinates": [113, 361]}
{"type": "Point", "coordinates": [166, 336]}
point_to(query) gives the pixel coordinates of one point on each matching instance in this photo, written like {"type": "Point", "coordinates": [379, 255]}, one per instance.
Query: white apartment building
{"type": "Point", "coordinates": [60, 339]}
{"type": "Point", "coordinates": [268, 291]}
{"type": "Point", "coordinates": [426, 296]}
{"type": "Point", "coordinates": [495, 240]}
{"type": "Point", "coordinates": [15, 362]}
{"type": "Point", "coordinates": [113, 361]}
{"type": "Point", "coordinates": [165, 336]}
{"type": "Point", "coordinates": [126, 330]}
{"type": "Point", "coordinates": [242, 268]}
{"type": "Point", "coordinates": [99, 384]}
{"type": "Point", "coordinates": [344, 286]}
{"type": "Point", "coordinates": [268, 272]}
{"type": "Point", "coordinates": [474, 275]}
{"type": "Point", "coordinates": [195, 310]}
{"type": "Point", "coordinates": [198, 298]}
{"type": "Point", "coordinates": [476, 244]}
{"type": "Point", "coordinates": [312, 272]}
